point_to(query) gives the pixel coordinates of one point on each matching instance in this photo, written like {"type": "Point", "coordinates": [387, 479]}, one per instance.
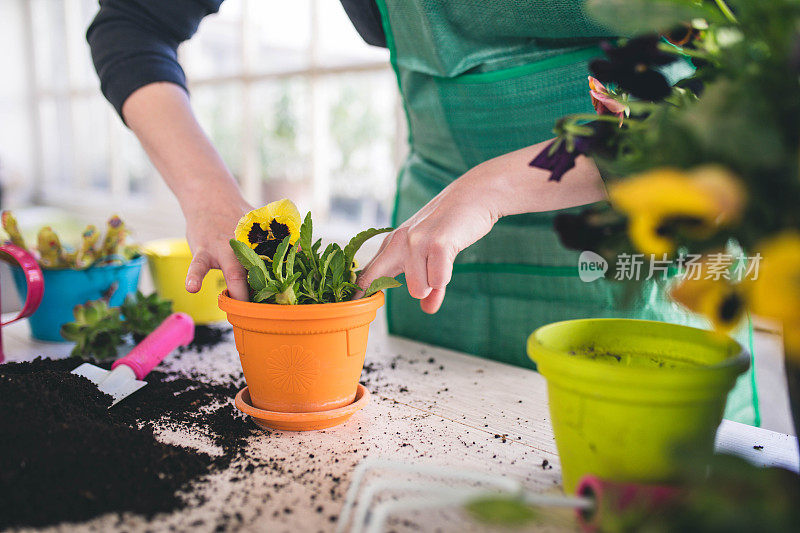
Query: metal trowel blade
{"type": "Point", "coordinates": [118, 383]}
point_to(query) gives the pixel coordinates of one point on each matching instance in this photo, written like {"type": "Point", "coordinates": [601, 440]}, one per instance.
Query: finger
{"type": "Point", "coordinates": [235, 279]}
{"type": "Point", "coordinates": [433, 302]}
{"type": "Point", "coordinates": [440, 266]}
{"type": "Point", "coordinates": [386, 263]}
{"type": "Point", "coordinates": [198, 268]}
{"type": "Point", "coordinates": [386, 242]}
{"type": "Point", "coordinates": [416, 270]}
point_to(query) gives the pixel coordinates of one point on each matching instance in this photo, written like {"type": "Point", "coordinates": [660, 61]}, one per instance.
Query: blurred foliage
{"type": "Point", "coordinates": [99, 329]}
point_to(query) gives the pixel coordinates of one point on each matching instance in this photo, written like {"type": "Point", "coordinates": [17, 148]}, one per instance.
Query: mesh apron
{"type": "Point", "coordinates": [480, 79]}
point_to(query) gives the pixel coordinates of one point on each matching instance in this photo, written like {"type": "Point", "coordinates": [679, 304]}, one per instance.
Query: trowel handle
{"type": "Point", "coordinates": [176, 330]}
{"type": "Point", "coordinates": [611, 498]}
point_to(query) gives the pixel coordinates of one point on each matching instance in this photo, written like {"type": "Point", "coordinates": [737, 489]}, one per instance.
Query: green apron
{"type": "Point", "coordinates": [480, 79]}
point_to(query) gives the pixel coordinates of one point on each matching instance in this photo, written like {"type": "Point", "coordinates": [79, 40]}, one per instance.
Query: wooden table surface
{"type": "Point", "coordinates": [429, 406]}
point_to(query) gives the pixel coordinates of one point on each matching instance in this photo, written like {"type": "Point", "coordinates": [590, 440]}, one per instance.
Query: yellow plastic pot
{"type": "Point", "coordinates": [626, 396]}
{"type": "Point", "coordinates": [169, 261]}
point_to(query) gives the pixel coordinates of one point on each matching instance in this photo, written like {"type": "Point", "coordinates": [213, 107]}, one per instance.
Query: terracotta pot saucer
{"type": "Point", "coordinates": [301, 421]}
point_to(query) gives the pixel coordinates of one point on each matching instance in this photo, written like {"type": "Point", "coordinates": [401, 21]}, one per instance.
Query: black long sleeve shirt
{"type": "Point", "coordinates": [135, 42]}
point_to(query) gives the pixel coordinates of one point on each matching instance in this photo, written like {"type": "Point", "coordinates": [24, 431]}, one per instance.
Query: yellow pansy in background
{"type": "Point", "coordinates": [717, 299]}
{"type": "Point", "coordinates": [775, 292]}
{"type": "Point", "coordinates": [263, 229]}
{"type": "Point", "coordinates": [667, 202]}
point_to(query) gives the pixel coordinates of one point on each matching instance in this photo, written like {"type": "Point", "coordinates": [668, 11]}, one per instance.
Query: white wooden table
{"type": "Point", "coordinates": [429, 405]}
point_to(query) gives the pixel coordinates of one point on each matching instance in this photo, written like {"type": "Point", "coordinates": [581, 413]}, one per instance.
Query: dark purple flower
{"type": "Point", "coordinates": [591, 229]}
{"type": "Point", "coordinates": [631, 68]}
{"type": "Point", "coordinates": [562, 159]}
{"type": "Point", "coordinates": [558, 162]}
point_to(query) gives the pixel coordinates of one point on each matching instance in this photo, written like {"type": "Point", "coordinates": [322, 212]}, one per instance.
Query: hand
{"type": "Point", "coordinates": [208, 230]}
{"type": "Point", "coordinates": [425, 246]}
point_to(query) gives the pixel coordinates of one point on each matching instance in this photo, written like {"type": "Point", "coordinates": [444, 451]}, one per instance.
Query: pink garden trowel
{"type": "Point", "coordinates": [126, 374]}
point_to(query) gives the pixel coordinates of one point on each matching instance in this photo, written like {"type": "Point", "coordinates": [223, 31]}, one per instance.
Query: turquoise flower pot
{"type": "Point", "coordinates": [66, 288]}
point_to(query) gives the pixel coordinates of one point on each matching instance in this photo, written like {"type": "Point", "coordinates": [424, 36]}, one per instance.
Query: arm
{"type": "Point", "coordinates": [425, 246]}
{"type": "Point", "coordinates": [134, 47]}
{"type": "Point", "coordinates": [160, 116]}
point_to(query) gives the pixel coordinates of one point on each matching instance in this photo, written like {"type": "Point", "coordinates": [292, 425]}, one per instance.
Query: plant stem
{"type": "Point", "coordinates": [677, 50]}
{"type": "Point", "coordinates": [726, 11]}
{"type": "Point", "coordinates": [591, 117]}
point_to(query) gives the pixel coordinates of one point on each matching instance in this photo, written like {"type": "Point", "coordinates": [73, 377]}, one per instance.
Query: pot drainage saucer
{"type": "Point", "coordinates": [301, 421]}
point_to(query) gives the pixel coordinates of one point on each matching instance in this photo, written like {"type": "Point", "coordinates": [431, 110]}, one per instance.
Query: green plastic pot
{"type": "Point", "coordinates": [627, 396]}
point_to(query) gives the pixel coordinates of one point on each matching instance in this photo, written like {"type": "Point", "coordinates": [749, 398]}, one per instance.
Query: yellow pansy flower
{"type": "Point", "coordinates": [663, 203]}
{"type": "Point", "coordinates": [265, 228]}
{"type": "Point", "coordinates": [717, 299]}
{"type": "Point", "coordinates": [775, 292]}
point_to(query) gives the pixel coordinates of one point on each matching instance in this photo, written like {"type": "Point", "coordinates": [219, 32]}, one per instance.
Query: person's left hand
{"type": "Point", "coordinates": [425, 246]}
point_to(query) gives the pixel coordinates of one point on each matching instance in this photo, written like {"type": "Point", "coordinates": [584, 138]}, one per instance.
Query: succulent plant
{"type": "Point", "coordinates": [97, 330]}
{"type": "Point", "coordinates": [142, 314]}
{"type": "Point", "coordinates": [53, 254]}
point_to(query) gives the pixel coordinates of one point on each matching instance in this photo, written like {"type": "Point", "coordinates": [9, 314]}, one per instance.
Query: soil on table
{"type": "Point", "coordinates": [66, 457]}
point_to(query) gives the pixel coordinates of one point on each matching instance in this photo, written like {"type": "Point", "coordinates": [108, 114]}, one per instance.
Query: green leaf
{"type": "Point", "coordinates": [277, 259]}
{"type": "Point", "coordinates": [316, 246]}
{"type": "Point", "coordinates": [290, 261]}
{"type": "Point", "coordinates": [327, 256]}
{"type": "Point", "coordinates": [301, 263]}
{"type": "Point", "coordinates": [246, 255]}
{"type": "Point", "coordinates": [635, 17]}
{"type": "Point", "coordinates": [256, 279]}
{"type": "Point", "coordinates": [79, 311]}
{"type": "Point", "coordinates": [257, 273]}
{"type": "Point", "coordinates": [143, 314]}
{"type": "Point", "coordinates": [306, 230]}
{"type": "Point", "coordinates": [263, 294]}
{"type": "Point", "coordinates": [380, 284]}
{"type": "Point", "coordinates": [71, 331]}
{"type": "Point", "coordinates": [94, 311]}
{"type": "Point", "coordinates": [357, 241]}
{"type": "Point", "coordinates": [500, 511]}
{"type": "Point", "coordinates": [308, 289]}
{"type": "Point", "coordinates": [337, 266]}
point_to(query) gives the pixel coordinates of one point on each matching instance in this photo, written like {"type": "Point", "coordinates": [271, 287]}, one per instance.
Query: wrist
{"type": "Point", "coordinates": [497, 187]}
{"type": "Point", "coordinates": [211, 191]}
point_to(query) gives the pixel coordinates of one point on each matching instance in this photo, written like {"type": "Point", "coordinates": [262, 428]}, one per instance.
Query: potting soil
{"type": "Point", "coordinates": [66, 457]}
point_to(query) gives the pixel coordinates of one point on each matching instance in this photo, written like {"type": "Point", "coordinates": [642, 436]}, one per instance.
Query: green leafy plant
{"type": "Point", "coordinates": [299, 274]}
{"type": "Point", "coordinates": [142, 314]}
{"type": "Point", "coordinates": [99, 329]}
{"type": "Point", "coordinates": [710, 496]}
{"type": "Point", "coordinates": [698, 105]}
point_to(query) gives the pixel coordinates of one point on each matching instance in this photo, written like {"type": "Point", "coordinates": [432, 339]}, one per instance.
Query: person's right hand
{"type": "Point", "coordinates": [209, 230]}
{"type": "Point", "coordinates": [212, 204]}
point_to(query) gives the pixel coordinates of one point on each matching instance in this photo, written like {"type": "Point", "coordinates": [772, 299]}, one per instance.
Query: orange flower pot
{"type": "Point", "coordinates": [301, 358]}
